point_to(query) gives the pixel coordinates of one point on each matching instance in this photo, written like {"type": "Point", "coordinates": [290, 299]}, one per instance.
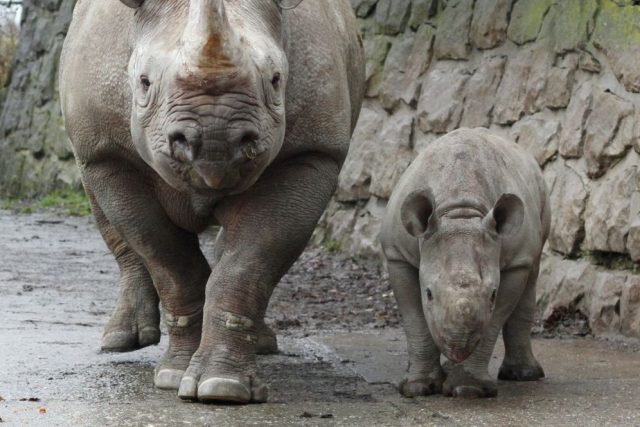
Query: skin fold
{"type": "Point", "coordinates": [186, 114]}
{"type": "Point", "coordinates": [462, 237]}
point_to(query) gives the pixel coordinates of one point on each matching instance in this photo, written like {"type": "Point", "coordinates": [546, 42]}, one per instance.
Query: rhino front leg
{"type": "Point", "coordinates": [424, 374]}
{"type": "Point", "coordinates": [471, 377]}
{"type": "Point", "coordinates": [267, 341]}
{"type": "Point", "coordinates": [135, 320]}
{"type": "Point", "coordinates": [172, 256]}
{"type": "Point", "coordinates": [266, 229]}
{"type": "Point", "coordinates": [519, 363]}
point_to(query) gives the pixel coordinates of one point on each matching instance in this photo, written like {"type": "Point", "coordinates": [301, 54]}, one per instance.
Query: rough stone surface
{"type": "Point", "coordinates": [569, 22]}
{"type": "Point", "coordinates": [568, 187]}
{"type": "Point", "coordinates": [490, 22]}
{"type": "Point", "coordinates": [526, 20]}
{"type": "Point", "coordinates": [392, 15]}
{"type": "Point", "coordinates": [607, 213]}
{"type": "Point", "coordinates": [617, 34]}
{"type": "Point", "coordinates": [481, 92]}
{"type": "Point", "coordinates": [441, 100]}
{"type": "Point", "coordinates": [33, 144]}
{"type": "Point", "coordinates": [572, 138]}
{"type": "Point", "coordinates": [608, 132]}
{"type": "Point", "coordinates": [539, 135]}
{"type": "Point", "coordinates": [452, 36]}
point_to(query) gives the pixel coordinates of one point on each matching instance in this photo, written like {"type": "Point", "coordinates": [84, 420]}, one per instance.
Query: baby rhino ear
{"type": "Point", "coordinates": [132, 3]}
{"type": "Point", "coordinates": [418, 213]}
{"type": "Point", "coordinates": [507, 215]}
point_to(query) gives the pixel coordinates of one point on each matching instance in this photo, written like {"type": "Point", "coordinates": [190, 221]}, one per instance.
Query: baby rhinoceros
{"type": "Point", "coordinates": [462, 237]}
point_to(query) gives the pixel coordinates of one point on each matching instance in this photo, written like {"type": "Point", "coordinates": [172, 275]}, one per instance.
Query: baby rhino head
{"type": "Point", "coordinates": [207, 80]}
{"type": "Point", "coordinates": [459, 265]}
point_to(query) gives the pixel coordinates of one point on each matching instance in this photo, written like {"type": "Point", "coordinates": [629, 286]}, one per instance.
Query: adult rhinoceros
{"type": "Point", "coordinates": [185, 114]}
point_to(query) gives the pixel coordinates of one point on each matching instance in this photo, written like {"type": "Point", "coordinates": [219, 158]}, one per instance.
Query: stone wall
{"type": "Point", "coordinates": [561, 78]}
{"type": "Point", "coordinates": [35, 156]}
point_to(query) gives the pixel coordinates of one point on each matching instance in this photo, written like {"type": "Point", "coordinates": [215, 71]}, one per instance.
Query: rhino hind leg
{"type": "Point", "coordinates": [135, 321]}
{"type": "Point", "coordinates": [519, 363]}
{"type": "Point", "coordinates": [470, 379]}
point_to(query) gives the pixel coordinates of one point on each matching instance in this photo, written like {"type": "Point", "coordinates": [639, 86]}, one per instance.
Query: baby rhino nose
{"type": "Point", "coordinates": [185, 141]}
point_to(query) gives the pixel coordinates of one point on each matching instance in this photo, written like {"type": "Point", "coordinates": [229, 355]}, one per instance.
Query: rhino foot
{"type": "Point", "coordinates": [462, 383]}
{"type": "Point", "coordinates": [421, 386]}
{"type": "Point", "coordinates": [118, 341]}
{"type": "Point", "coordinates": [222, 382]}
{"type": "Point", "coordinates": [520, 372]}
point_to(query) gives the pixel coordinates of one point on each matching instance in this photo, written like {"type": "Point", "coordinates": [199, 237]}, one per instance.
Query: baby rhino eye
{"type": "Point", "coordinates": [275, 81]}
{"type": "Point", "coordinates": [429, 295]}
{"type": "Point", "coordinates": [145, 82]}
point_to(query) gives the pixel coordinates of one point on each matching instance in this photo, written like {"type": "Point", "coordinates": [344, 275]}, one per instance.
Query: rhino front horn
{"type": "Point", "coordinates": [132, 3]}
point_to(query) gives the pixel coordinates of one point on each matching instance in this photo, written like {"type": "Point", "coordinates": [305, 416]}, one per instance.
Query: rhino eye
{"type": "Point", "coordinates": [275, 81]}
{"type": "Point", "coordinates": [145, 82]}
{"type": "Point", "coordinates": [429, 295]}
{"type": "Point", "coordinates": [493, 296]}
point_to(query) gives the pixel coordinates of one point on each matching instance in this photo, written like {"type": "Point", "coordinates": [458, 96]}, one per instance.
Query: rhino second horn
{"type": "Point", "coordinates": [132, 3]}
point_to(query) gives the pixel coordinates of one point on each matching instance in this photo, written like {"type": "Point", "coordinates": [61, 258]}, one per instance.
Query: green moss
{"type": "Point", "coordinates": [332, 246]}
{"type": "Point", "coordinates": [526, 20]}
{"type": "Point", "coordinates": [612, 261]}
{"type": "Point", "coordinates": [71, 201]}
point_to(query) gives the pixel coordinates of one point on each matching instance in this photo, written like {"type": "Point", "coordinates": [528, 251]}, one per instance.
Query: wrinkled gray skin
{"type": "Point", "coordinates": [185, 114]}
{"type": "Point", "coordinates": [462, 237]}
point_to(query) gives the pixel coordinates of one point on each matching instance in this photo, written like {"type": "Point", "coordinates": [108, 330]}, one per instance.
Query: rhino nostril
{"type": "Point", "coordinates": [249, 145]}
{"type": "Point", "coordinates": [182, 148]}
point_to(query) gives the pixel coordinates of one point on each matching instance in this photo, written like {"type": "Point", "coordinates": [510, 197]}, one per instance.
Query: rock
{"type": "Point", "coordinates": [364, 239]}
{"type": "Point", "coordinates": [481, 92]}
{"type": "Point", "coordinates": [568, 191]}
{"type": "Point", "coordinates": [393, 154]}
{"type": "Point", "coordinates": [559, 84]}
{"type": "Point", "coordinates": [564, 286]}
{"type": "Point", "coordinates": [524, 80]}
{"type": "Point", "coordinates": [363, 8]}
{"type": "Point", "coordinates": [452, 36]}
{"type": "Point", "coordinates": [630, 307]}
{"type": "Point", "coordinates": [339, 222]}
{"type": "Point", "coordinates": [572, 137]}
{"type": "Point", "coordinates": [568, 24]}
{"type": "Point", "coordinates": [526, 20]}
{"type": "Point", "coordinates": [538, 134]}
{"type": "Point", "coordinates": [608, 132]}
{"type": "Point", "coordinates": [392, 16]}
{"type": "Point", "coordinates": [607, 212]}
{"type": "Point", "coordinates": [376, 48]}
{"type": "Point", "coordinates": [604, 310]}
{"type": "Point", "coordinates": [441, 99]}
{"type": "Point", "coordinates": [617, 34]}
{"type": "Point", "coordinates": [489, 24]}
{"type": "Point", "coordinates": [633, 239]}
{"type": "Point", "coordinates": [421, 11]}
{"type": "Point", "coordinates": [408, 58]}
{"type": "Point", "coordinates": [355, 178]}
{"type": "Point", "coordinates": [589, 63]}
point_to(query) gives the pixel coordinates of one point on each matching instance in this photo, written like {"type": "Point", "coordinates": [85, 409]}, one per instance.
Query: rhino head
{"type": "Point", "coordinates": [207, 80]}
{"type": "Point", "coordinates": [460, 252]}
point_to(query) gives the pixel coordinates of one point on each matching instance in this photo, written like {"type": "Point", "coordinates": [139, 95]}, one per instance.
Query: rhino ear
{"type": "Point", "coordinates": [418, 213]}
{"type": "Point", "coordinates": [133, 3]}
{"type": "Point", "coordinates": [507, 215]}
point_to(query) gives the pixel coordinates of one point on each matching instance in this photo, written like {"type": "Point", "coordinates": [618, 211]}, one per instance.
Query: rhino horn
{"type": "Point", "coordinates": [208, 36]}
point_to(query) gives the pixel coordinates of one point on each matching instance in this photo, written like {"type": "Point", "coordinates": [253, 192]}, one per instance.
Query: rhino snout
{"type": "Point", "coordinates": [185, 141]}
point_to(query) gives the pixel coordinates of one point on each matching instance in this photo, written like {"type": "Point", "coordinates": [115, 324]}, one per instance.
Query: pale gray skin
{"type": "Point", "coordinates": [462, 237]}
{"type": "Point", "coordinates": [185, 114]}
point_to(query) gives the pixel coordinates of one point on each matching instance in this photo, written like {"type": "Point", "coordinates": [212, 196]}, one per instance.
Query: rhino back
{"type": "Point", "coordinates": [474, 167]}
{"type": "Point", "coordinates": [95, 94]}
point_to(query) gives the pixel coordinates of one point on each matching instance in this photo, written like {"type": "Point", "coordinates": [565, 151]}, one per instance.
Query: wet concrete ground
{"type": "Point", "coordinates": [57, 289]}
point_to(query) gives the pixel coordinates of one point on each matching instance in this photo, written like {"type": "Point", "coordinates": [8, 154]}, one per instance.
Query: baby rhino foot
{"type": "Point", "coordinates": [222, 383]}
{"type": "Point", "coordinates": [520, 372]}
{"type": "Point", "coordinates": [461, 383]}
{"type": "Point", "coordinates": [412, 387]}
